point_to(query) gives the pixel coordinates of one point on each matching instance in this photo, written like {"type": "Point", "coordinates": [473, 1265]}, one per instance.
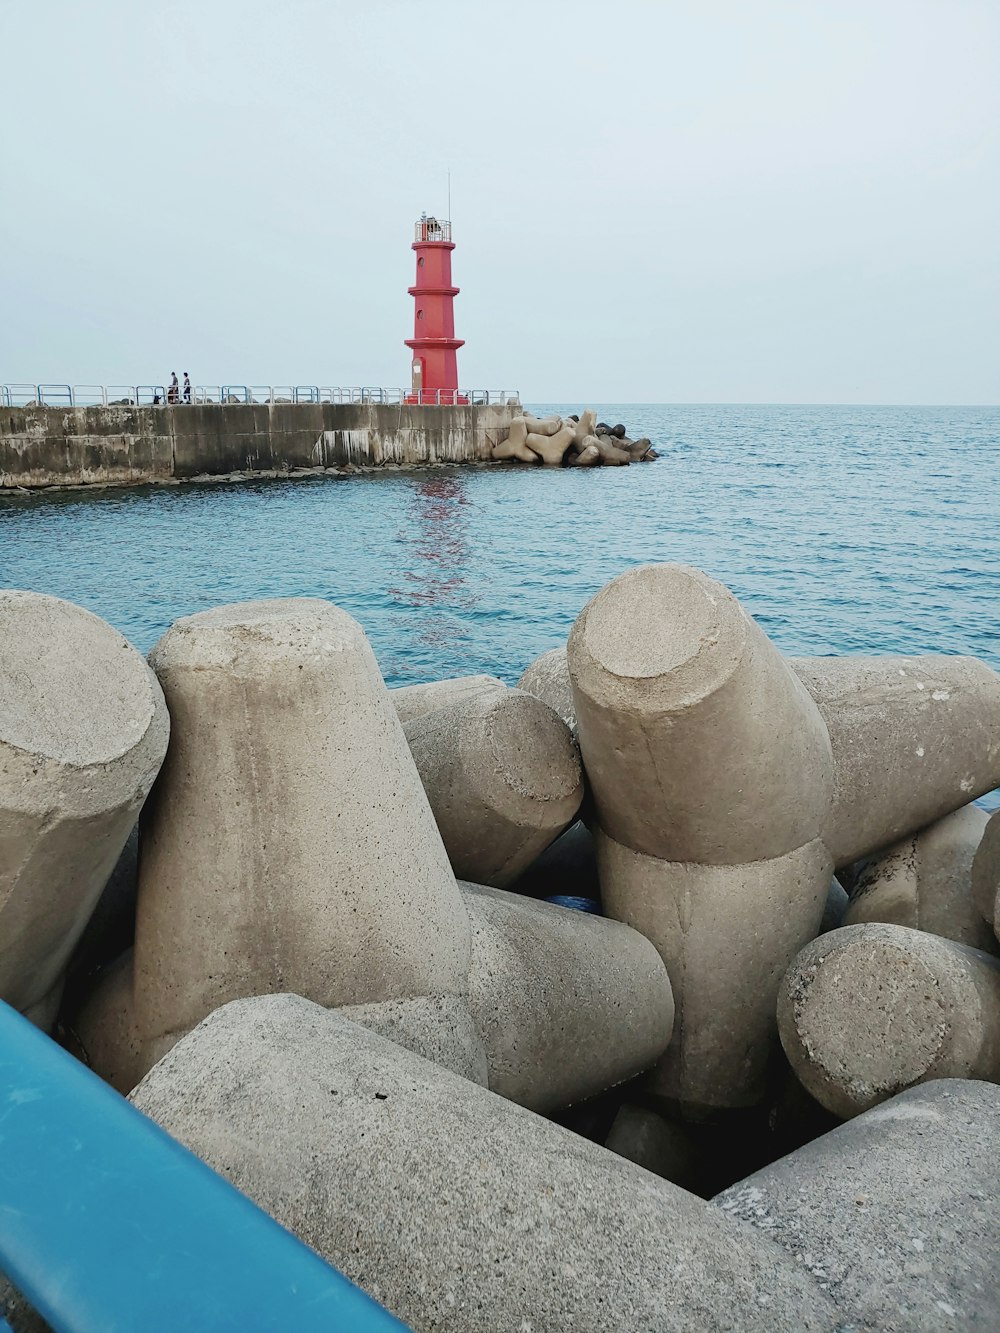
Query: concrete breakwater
{"type": "Point", "coordinates": [322, 1004]}
{"type": "Point", "coordinates": [128, 445]}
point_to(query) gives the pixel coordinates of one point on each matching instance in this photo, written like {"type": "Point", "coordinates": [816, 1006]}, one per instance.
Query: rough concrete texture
{"type": "Point", "coordinates": [638, 449]}
{"type": "Point", "coordinates": [711, 774]}
{"type": "Point", "coordinates": [985, 874]}
{"type": "Point", "coordinates": [544, 425]}
{"type": "Point", "coordinates": [83, 731]}
{"type": "Point", "coordinates": [513, 445]}
{"type": "Point", "coordinates": [502, 773]}
{"type": "Point", "coordinates": [589, 456]}
{"type": "Point", "coordinates": [440, 1028]}
{"type": "Point", "coordinates": [455, 1208]}
{"type": "Point", "coordinates": [726, 934]}
{"type": "Point", "coordinates": [913, 739]}
{"type": "Point", "coordinates": [583, 428]}
{"type": "Point", "coordinates": [103, 1032]}
{"type": "Point", "coordinates": [568, 1004]}
{"type": "Point", "coordinates": [925, 882]}
{"type": "Point", "coordinates": [551, 447]}
{"type": "Point", "coordinates": [547, 678]}
{"type": "Point", "coordinates": [681, 697]}
{"type": "Point", "coordinates": [896, 1214]}
{"type": "Point", "coordinates": [289, 841]}
{"type": "Point", "coordinates": [611, 455]}
{"type": "Point", "coordinates": [413, 701]}
{"type": "Point", "coordinates": [125, 444]}
{"type": "Point", "coordinates": [870, 1010]}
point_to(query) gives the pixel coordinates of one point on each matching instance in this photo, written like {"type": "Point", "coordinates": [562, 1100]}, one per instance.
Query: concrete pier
{"type": "Point", "coordinates": [128, 445]}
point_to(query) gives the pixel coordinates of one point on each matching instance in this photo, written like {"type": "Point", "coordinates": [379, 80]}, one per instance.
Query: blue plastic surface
{"type": "Point", "coordinates": [107, 1224]}
{"type": "Point", "coordinates": [577, 904]}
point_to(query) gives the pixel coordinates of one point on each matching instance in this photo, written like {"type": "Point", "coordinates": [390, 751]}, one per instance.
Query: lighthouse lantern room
{"type": "Point", "coordinates": [434, 364]}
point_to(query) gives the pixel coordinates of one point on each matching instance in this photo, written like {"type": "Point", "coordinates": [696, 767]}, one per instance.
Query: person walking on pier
{"type": "Point", "coordinates": [187, 388]}
{"type": "Point", "coordinates": [173, 392]}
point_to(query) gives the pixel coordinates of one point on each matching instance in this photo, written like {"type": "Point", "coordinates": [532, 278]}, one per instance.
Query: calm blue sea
{"type": "Point", "coordinates": [843, 530]}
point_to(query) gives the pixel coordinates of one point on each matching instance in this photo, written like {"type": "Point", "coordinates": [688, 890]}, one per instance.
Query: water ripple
{"type": "Point", "coordinates": [842, 529]}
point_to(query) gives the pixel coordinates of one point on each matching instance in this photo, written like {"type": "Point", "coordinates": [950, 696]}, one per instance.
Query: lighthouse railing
{"type": "Point", "coordinates": [432, 229]}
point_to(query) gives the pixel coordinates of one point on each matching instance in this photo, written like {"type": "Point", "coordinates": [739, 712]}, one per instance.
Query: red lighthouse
{"type": "Point", "coordinates": [434, 367]}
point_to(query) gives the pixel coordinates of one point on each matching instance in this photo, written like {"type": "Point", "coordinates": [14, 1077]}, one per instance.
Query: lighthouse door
{"type": "Point", "coordinates": [418, 376]}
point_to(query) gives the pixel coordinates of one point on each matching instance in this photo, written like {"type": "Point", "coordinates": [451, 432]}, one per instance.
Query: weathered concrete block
{"type": "Point", "coordinates": [583, 427]}
{"type": "Point", "coordinates": [514, 446]}
{"type": "Point", "coordinates": [543, 425]}
{"type": "Point", "coordinates": [502, 773]}
{"type": "Point", "coordinates": [611, 455]}
{"type": "Point", "coordinates": [985, 874]}
{"type": "Point", "coordinates": [867, 1011]}
{"type": "Point", "coordinates": [711, 773]}
{"type": "Point", "coordinates": [413, 701]}
{"type": "Point", "coordinates": [550, 447]}
{"type": "Point", "coordinates": [896, 1214]}
{"type": "Point", "coordinates": [83, 731]}
{"type": "Point", "coordinates": [289, 841]}
{"type": "Point", "coordinates": [913, 739]}
{"type": "Point", "coordinates": [441, 1028]}
{"type": "Point", "coordinates": [547, 678]}
{"type": "Point", "coordinates": [456, 1208]}
{"type": "Point", "coordinates": [589, 456]}
{"type": "Point", "coordinates": [680, 694]}
{"type": "Point", "coordinates": [568, 1004]}
{"type": "Point", "coordinates": [726, 934]}
{"type": "Point", "coordinates": [925, 882]}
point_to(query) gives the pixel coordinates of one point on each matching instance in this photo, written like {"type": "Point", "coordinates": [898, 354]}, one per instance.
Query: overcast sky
{"type": "Point", "coordinates": [696, 201]}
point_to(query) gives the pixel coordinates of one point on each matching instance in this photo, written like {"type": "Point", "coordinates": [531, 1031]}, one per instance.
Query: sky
{"type": "Point", "coordinates": [700, 201]}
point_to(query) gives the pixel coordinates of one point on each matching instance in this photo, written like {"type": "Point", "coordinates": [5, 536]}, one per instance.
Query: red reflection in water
{"type": "Point", "coordinates": [437, 538]}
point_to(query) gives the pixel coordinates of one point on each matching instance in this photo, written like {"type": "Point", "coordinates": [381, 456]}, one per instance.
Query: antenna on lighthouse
{"type": "Point", "coordinates": [449, 196]}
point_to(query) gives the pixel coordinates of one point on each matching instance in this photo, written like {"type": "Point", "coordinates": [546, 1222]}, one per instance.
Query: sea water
{"type": "Point", "coordinates": [842, 530]}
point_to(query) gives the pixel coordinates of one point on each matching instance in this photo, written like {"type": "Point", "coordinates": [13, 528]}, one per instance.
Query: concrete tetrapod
{"type": "Point", "coordinates": [582, 428]}
{"type": "Point", "coordinates": [925, 882]}
{"type": "Point", "coordinates": [103, 1034]}
{"type": "Point", "coordinates": [83, 731]}
{"type": "Point", "coordinates": [897, 1214]}
{"type": "Point", "coordinates": [547, 678]}
{"type": "Point", "coordinates": [514, 445]}
{"type": "Point", "coordinates": [567, 1004]}
{"type": "Point", "coordinates": [913, 739]}
{"type": "Point", "coordinates": [413, 701]}
{"type": "Point", "coordinates": [551, 447]}
{"type": "Point", "coordinates": [502, 773]}
{"type": "Point", "coordinates": [589, 456]}
{"type": "Point", "coordinates": [986, 874]}
{"type": "Point", "coordinates": [289, 841]}
{"type": "Point", "coordinates": [682, 698]}
{"type": "Point", "coordinates": [611, 455]}
{"type": "Point", "coordinates": [847, 990]}
{"type": "Point", "coordinates": [543, 425]}
{"type": "Point", "coordinates": [453, 1207]}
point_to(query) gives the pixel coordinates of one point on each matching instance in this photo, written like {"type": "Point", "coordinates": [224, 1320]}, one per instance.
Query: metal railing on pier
{"type": "Point", "coordinates": [140, 395]}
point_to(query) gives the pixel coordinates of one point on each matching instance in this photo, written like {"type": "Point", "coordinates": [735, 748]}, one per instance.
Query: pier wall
{"type": "Point", "coordinates": [58, 446]}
